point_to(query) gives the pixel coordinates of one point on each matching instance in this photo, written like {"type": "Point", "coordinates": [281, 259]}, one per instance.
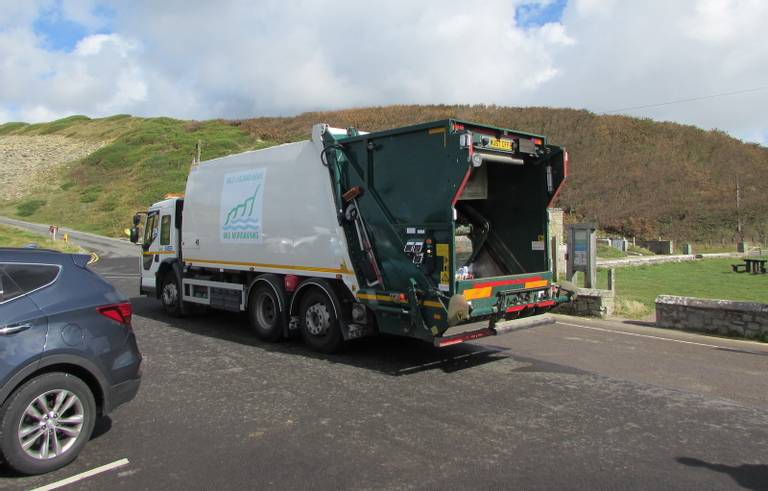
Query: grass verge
{"type": "Point", "coordinates": [16, 237]}
{"type": "Point", "coordinates": [707, 278]}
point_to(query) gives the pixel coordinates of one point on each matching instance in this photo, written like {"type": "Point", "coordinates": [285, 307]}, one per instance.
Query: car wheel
{"type": "Point", "coordinates": [264, 313]}
{"type": "Point", "coordinates": [170, 295]}
{"type": "Point", "coordinates": [319, 324]}
{"type": "Point", "coordinates": [46, 422]}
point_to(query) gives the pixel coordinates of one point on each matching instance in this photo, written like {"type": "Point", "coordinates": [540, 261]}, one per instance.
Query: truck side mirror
{"type": "Point", "coordinates": [136, 219]}
{"type": "Point", "coordinates": [134, 234]}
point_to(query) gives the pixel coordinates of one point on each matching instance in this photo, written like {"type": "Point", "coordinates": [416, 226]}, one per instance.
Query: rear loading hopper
{"type": "Point", "coordinates": [446, 224]}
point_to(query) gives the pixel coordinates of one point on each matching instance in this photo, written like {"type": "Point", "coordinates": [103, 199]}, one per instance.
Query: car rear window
{"type": "Point", "coordinates": [8, 288]}
{"type": "Point", "coordinates": [26, 278]}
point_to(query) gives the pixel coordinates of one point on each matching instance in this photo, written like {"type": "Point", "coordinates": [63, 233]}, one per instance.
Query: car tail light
{"type": "Point", "coordinates": [119, 312]}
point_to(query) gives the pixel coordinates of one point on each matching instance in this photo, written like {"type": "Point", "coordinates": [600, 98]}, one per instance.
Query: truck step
{"type": "Point", "coordinates": [498, 328]}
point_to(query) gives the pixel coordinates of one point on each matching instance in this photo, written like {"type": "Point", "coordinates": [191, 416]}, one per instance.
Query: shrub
{"type": "Point", "coordinates": [90, 194]}
{"type": "Point", "coordinates": [29, 207]}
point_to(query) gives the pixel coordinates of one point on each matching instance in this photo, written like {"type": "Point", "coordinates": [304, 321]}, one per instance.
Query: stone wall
{"type": "Point", "coordinates": [724, 317]}
{"type": "Point", "coordinates": [589, 302]}
{"type": "Point", "coordinates": [557, 232]}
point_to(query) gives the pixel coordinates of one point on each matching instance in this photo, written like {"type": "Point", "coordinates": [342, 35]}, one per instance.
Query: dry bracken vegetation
{"type": "Point", "coordinates": [631, 176]}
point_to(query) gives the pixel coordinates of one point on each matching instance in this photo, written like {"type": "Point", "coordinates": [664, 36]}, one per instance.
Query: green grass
{"type": "Point", "coordinates": [608, 252]}
{"type": "Point", "coordinates": [707, 278]}
{"type": "Point", "coordinates": [16, 237]}
{"type": "Point", "coordinates": [144, 160]}
{"type": "Point", "coordinates": [637, 250]}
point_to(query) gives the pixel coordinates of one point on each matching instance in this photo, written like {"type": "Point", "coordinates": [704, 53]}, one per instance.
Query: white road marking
{"type": "Point", "coordinates": [643, 335]}
{"type": "Point", "coordinates": [83, 475]}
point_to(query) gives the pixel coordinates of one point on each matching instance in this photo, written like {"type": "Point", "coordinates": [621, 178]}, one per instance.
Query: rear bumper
{"type": "Point", "coordinates": [121, 393]}
{"type": "Point", "coordinates": [493, 329]}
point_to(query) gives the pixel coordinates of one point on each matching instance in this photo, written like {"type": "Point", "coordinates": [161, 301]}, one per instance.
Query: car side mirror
{"type": "Point", "coordinates": [134, 235]}
{"type": "Point", "coordinates": [136, 219]}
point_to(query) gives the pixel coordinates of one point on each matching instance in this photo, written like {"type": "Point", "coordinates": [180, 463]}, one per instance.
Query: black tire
{"type": "Point", "coordinates": [14, 413]}
{"type": "Point", "coordinates": [320, 327]}
{"type": "Point", "coordinates": [170, 294]}
{"type": "Point", "coordinates": [264, 313]}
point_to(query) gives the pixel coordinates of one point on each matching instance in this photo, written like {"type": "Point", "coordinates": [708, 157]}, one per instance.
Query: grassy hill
{"type": "Point", "coordinates": [632, 176]}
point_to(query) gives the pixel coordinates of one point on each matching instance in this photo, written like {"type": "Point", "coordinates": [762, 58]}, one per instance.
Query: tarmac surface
{"type": "Point", "coordinates": [578, 404]}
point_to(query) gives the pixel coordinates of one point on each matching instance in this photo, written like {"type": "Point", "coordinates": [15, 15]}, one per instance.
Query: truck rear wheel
{"type": "Point", "coordinates": [264, 313]}
{"type": "Point", "coordinates": [319, 324]}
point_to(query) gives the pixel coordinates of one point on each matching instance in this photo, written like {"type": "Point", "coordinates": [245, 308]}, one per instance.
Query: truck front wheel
{"type": "Point", "coordinates": [170, 294]}
{"type": "Point", "coordinates": [319, 323]}
{"type": "Point", "coordinates": [264, 313]}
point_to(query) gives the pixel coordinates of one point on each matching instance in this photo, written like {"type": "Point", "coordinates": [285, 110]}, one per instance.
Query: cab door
{"type": "Point", "coordinates": [160, 243]}
{"type": "Point", "coordinates": [150, 246]}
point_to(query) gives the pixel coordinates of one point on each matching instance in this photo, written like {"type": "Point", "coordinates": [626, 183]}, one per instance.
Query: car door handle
{"type": "Point", "coordinates": [4, 331]}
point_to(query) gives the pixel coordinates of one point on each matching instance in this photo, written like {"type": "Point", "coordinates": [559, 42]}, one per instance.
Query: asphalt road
{"type": "Point", "coordinates": [576, 405]}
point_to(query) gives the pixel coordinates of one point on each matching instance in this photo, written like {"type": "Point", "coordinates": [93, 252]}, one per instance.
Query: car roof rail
{"type": "Point", "coordinates": [29, 250]}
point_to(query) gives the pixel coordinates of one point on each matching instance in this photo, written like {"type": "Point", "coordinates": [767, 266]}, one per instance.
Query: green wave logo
{"type": "Point", "coordinates": [240, 217]}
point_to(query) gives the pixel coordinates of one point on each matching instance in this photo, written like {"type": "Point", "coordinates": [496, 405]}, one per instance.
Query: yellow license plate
{"type": "Point", "coordinates": [501, 144]}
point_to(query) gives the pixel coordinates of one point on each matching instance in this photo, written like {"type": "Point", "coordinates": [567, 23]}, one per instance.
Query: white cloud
{"type": "Point", "coordinates": [636, 53]}
{"type": "Point", "coordinates": [82, 12]}
{"type": "Point", "coordinates": [96, 43]}
{"type": "Point", "coordinates": [237, 59]}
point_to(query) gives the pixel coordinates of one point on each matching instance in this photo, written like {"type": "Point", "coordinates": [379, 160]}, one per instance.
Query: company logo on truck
{"type": "Point", "coordinates": [241, 206]}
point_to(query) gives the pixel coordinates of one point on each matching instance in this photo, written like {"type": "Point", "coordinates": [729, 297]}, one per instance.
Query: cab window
{"type": "Point", "coordinates": [150, 231]}
{"type": "Point", "coordinates": [165, 230]}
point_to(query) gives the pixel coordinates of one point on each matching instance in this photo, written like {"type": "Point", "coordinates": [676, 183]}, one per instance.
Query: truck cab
{"type": "Point", "coordinates": [160, 231]}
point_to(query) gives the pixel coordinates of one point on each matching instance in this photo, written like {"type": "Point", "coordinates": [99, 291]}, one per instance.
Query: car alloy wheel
{"type": "Point", "coordinates": [51, 424]}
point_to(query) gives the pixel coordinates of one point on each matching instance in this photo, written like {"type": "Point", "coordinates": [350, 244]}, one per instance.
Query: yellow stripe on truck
{"type": "Point", "coordinates": [271, 266]}
{"type": "Point", "coordinates": [378, 298]}
{"type": "Point", "coordinates": [388, 298]}
{"type": "Point", "coordinates": [475, 293]}
{"type": "Point", "coordinates": [536, 284]}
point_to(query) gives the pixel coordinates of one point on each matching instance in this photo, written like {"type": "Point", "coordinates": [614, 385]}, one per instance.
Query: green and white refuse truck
{"type": "Point", "coordinates": [420, 231]}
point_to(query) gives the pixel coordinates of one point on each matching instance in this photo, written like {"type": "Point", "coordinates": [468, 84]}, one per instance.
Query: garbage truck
{"type": "Point", "coordinates": [437, 231]}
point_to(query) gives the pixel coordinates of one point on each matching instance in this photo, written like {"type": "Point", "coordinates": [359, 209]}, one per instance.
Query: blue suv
{"type": "Point", "coordinates": [67, 356]}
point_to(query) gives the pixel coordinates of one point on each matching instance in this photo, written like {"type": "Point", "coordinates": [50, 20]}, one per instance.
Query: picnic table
{"type": "Point", "coordinates": [751, 265]}
{"type": "Point", "coordinates": [755, 266]}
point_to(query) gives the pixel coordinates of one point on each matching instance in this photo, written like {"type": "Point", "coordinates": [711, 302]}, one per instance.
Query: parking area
{"type": "Point", "coordinates": [578, 404]}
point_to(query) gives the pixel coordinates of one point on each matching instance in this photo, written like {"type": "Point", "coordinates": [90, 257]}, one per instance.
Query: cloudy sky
{"type": "Point", "coordinates": [701, 62]}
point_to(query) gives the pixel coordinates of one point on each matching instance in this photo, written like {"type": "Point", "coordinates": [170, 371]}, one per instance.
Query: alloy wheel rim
{"type": "Point", "coordinates": [170, 294]}
{"type": "Point", "coordinates": [51, 424]}
{"type": "Point", "coordinates": [317, 319]}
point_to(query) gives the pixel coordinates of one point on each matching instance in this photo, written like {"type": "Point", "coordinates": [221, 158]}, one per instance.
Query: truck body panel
{"type": "Point", "coordinates": [267, 210]}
